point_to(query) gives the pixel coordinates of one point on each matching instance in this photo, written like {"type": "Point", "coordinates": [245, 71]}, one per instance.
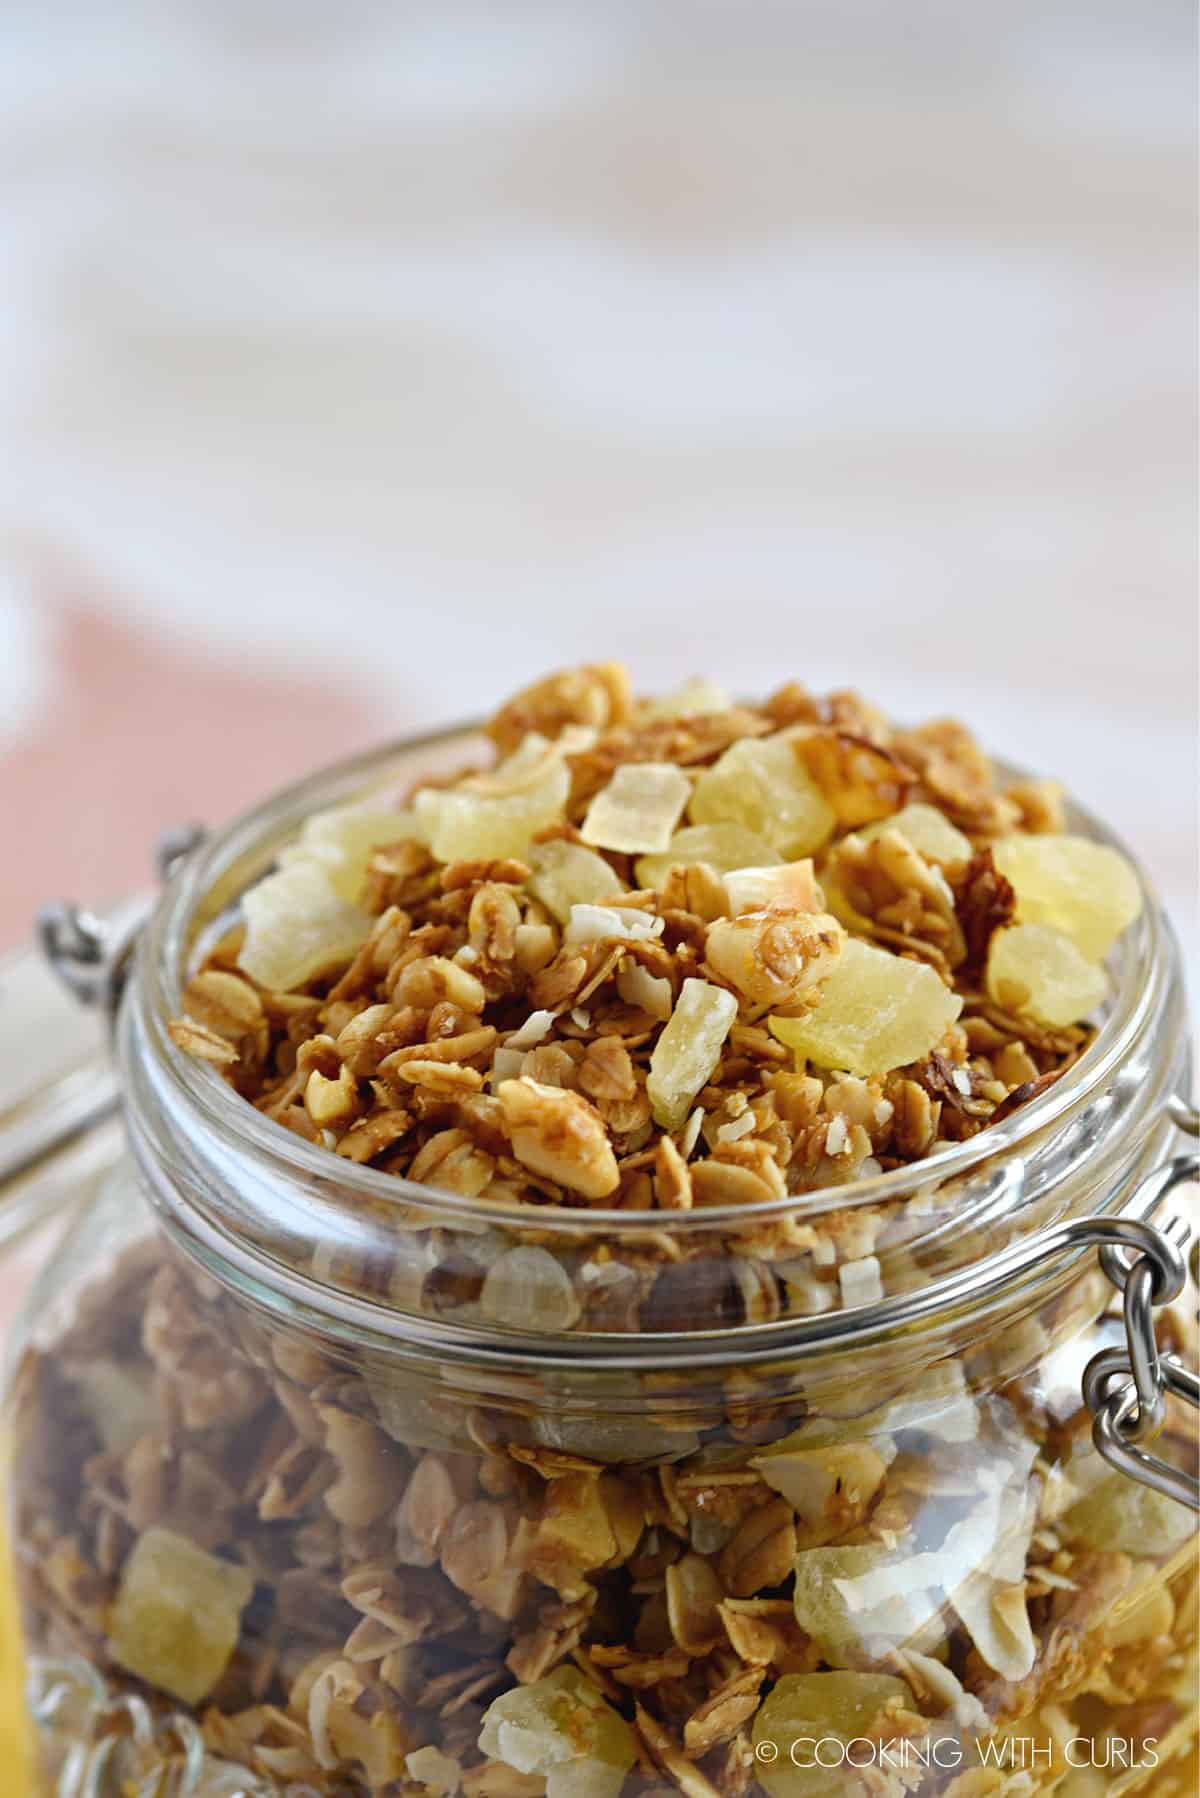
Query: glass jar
{"type": "Point", "coordinates": [324, 1482]}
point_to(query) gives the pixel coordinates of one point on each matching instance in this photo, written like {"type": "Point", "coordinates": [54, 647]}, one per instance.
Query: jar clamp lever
{"type": "Point", "coordinates": [1126, 1389]}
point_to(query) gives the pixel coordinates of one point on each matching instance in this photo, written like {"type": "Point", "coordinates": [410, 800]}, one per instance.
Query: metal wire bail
{"type": "Point", "coordinates": [1126, 1389]}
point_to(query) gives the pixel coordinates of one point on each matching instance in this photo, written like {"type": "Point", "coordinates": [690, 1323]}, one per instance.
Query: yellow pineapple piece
{"type": "Point", "coordinates": [638, 809]}
{"type": "Point", "coordinates": [567, 874]}
{"type": "Point", "coordinates": [1035, 970]}
{"type": "Point", "coordinates": [1118, 1516]}
{"type": "Point", "coordinates": [929, 831]}
{"type": "Point", "coordinates": [688, 1050]}
{"type": "Point", "coordinates": [695, 698]}
{"type": "Point", "coordinates": [759, 784]}
{"type": "Point", "coordinates": [560, 1728]}
{"type": "Point", "coordinates": [722, 846]}
{"type": "Point", "coordinates": [341, 842]}
{"type": "Point", "coordinates": [807, 1710]}
{"type": "Point", "coordinates": [298, 926]}
{"type": "Point", "coordinates": [876, 1011]}
{"type": "Point", "coordinates": [177, 1614]}
{"type": "Point", "coordinates": [858, 1602]}
{"type": "Point", "coordinates": [1087, 890]}
{"type": "Point", "coordinates": [494, 816]}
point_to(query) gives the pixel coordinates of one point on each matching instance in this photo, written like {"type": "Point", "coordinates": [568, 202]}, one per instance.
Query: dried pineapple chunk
{"type": "Point", "coordinates": [688, 1050]}
{"type": "Point", "coordinates": [638, 809]}
{"type": "Point", "coordinates": [695, 698]}
{"type": "Point", "coordinates": [567, 874]}
{"type": "Point", "coordinates": [1036, 970]}
{"type": "Point", "coordinates": [722, 846]}
{"type": "Point", "coordinates": [298, 926]}
{"type": "Point", "coordinates": [836, 1604]}
{"type": "Point", "coordinates": [561, 1727]}
{"type": "Point", "coordinates": [341, 842]}
{"type": "Point", "coordinates": [807, 1710]}
{"type": "Point", "coordinates": [1122, 1517]}
{"type": "Point", "coordinates": [496, 816]}
{"type": "Point", "coordinates": [177, 1614]}
{"type": "Point", "coordinates": [1085, 889]}
{"type": "Point", "coordinates": [876, 1012]}
{"type": "Point", "coordinates": [929, 831]}
{"type": "Point", "coordinates": [759, 783]}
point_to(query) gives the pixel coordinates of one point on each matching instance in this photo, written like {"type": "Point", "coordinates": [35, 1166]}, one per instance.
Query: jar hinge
{"type": "Point", "coordinates": [1125, 1388]}
{"type": "Point", "coordinates": [91, 954]}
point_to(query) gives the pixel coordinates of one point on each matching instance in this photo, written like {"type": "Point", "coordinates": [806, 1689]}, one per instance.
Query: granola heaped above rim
{"type": "Point", "coordinates": [668, 953]}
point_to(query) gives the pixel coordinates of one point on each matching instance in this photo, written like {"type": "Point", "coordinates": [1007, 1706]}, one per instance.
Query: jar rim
{"type": "Point", "coordinates": [278, 1215]}
{"type": "Point", "coordinates": [170, 936]}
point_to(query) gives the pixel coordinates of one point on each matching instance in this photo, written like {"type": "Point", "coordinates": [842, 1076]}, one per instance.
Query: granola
{"type": "Point", "coordinates": [671, 960]}
{"type": "Point", "coordinates": [668, 955]}
{"type": "Point", "coordinates": [375, 1587]}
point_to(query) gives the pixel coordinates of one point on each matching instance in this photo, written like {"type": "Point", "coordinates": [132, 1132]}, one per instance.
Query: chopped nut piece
{"type": "Point", "coordinates": [861, 781]}
{"type": "Point", "coordinates": [596, 696]}
{"type": "Point", "coordinates": [774, 957]}
{"type": "Point", "coordinates": [561, 1135]}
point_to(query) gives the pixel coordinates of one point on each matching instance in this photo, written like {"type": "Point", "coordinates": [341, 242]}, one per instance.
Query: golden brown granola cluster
{"type": "Point", "coordinates": [494, 1032]}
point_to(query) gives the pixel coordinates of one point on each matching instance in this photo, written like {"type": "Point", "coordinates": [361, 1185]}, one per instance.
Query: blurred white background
{"type": "Point", "coordinates": [361, 359]}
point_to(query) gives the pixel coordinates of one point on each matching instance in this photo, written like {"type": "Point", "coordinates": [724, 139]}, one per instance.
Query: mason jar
{"type": "Point", "coordinates": [323, 1482]}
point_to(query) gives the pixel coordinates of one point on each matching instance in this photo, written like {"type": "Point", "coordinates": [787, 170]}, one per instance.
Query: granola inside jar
{"type": "Point", "coordinates": [599, 1305]}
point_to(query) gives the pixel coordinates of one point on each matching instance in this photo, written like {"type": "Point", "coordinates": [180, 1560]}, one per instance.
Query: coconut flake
{"type": "Point", "coordinates": [638, 809]}
{"type": "Point", "coordinates": [997, 1621]}
{"type": "Point", "coordinates": [648, 992]}
{"type": "Point", "coordinates": [534, 1030]}
{"type": "Point", "coordinates": [691, 1132]}
{"type": "Point", "coordinates": [790, 884]}
{"type": "Point", "coordinates": [604, 923]}
{"type": "Point", "coordinates": [942, 1684]}
{"type": "Point", "coordinates": [506, 1065]}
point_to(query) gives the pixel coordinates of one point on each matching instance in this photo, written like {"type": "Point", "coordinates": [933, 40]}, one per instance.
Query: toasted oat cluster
{"type": "Point", "coordinates": [668, 953]}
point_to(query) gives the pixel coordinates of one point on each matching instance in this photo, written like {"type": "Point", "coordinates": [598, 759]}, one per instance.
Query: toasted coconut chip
{"type": "Point", "coordinates": [638, 809]}
{"type": "Point", "coordinates": [604, 923]}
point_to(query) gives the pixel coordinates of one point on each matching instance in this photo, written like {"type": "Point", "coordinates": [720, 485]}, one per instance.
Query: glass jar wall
{"type": "Point", "coordinates": [322, 1482]}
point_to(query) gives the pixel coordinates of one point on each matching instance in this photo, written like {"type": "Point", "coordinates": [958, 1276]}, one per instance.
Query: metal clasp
{"type": "Point", "coordinates": [1126, 1389]}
